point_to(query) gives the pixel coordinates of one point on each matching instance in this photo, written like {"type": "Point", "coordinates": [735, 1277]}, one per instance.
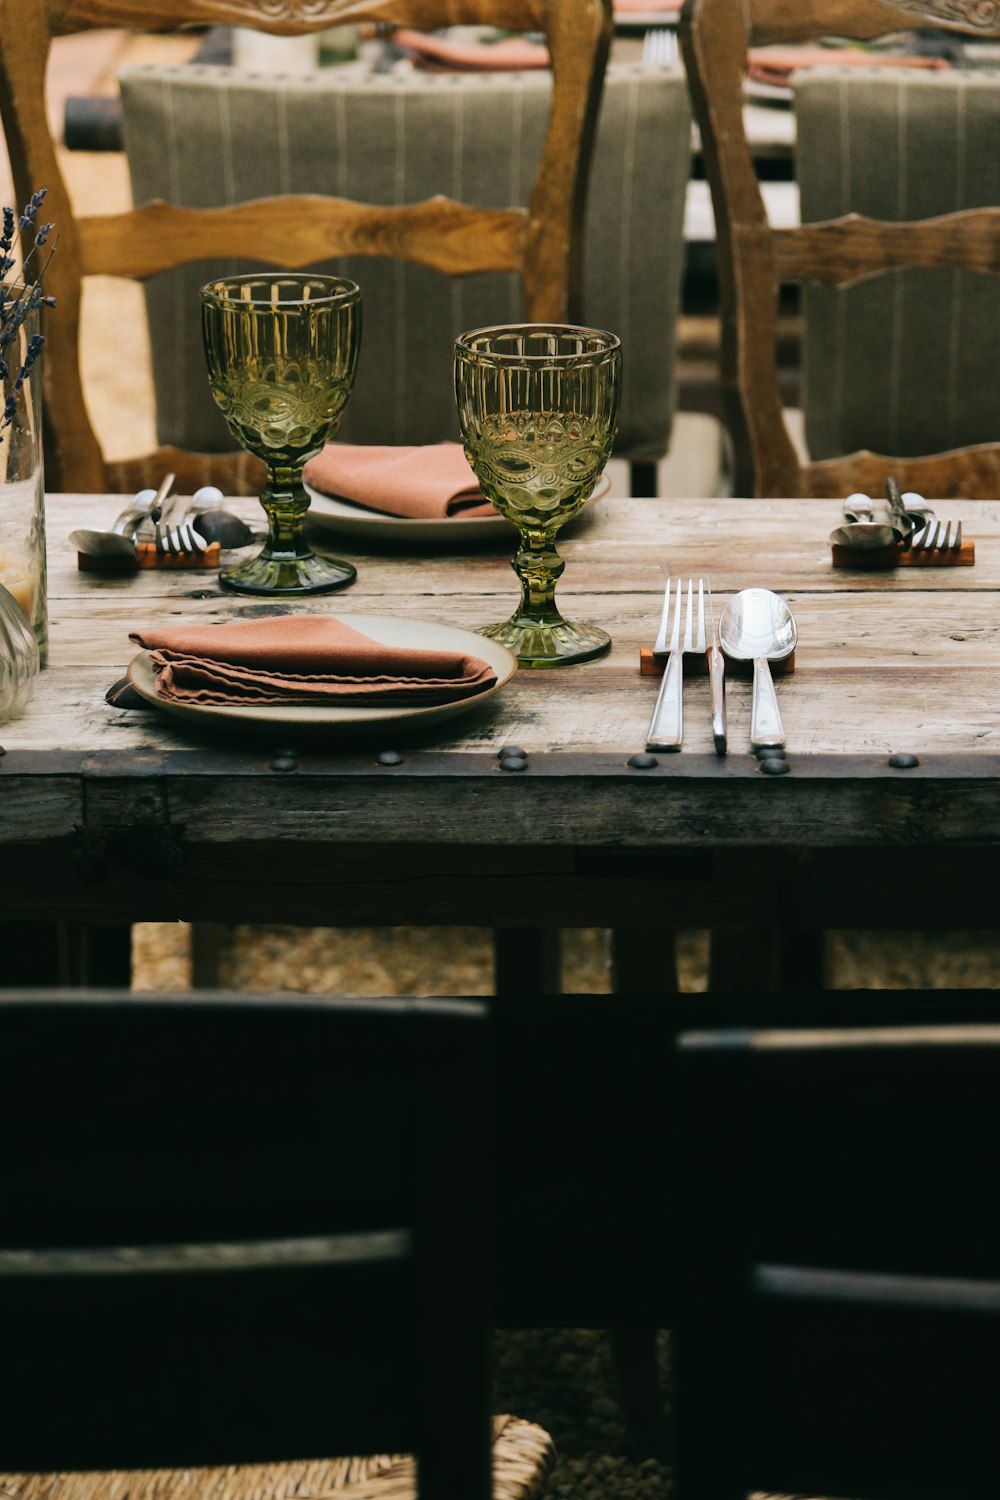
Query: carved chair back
{"type": "Point", "coordinates": [755, 260]}
{"type": "Point", "coordinates": [543, 242]}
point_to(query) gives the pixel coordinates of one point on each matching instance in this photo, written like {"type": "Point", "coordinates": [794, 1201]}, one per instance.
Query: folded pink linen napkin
{"type": "Point", "coordinates": [645, 7]}
{"type": "Point", "coordinates": [512, 53]}
{"type": "Point", "coordinates": [430, 483]}
{"type": "Point", "coordinates": [775, 65]}
{"type": "Point", "coordinates": [299, 659]}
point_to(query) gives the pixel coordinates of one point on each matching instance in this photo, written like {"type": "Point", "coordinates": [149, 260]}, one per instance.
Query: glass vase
{"type": "Point", "coordinates": [22, 490]}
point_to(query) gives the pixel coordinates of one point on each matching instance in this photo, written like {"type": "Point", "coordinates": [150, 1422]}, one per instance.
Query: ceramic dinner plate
{"type": "Point", "coordinates": [351, 718]}
{"type": "Point", "coordinates": [633, 20]}
{"type": "Point", "coordinates": [348, 519]}
{"type": "Point", "coordinates": [767, 93]}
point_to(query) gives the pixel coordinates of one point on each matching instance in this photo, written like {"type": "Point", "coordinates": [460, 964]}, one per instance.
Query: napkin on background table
{"type": "Point", "coordinates": [776, 65]}
{"type": "Point", "coordinates": [431, 483]}
{"type": "Point", "coordinates": [511, 53]}
{"type": "Point", "coordinates": [645, 7]}
{"type": "Point", "coordinates": [299, 659]}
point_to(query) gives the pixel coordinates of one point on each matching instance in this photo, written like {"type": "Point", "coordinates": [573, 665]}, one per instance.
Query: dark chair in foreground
{"type": "Point", "coordinates": [248, 1232]}
{"type": "Point", "coordinates": [838, 1328]}
{"type": "Point", "coordinates": [901, 169]}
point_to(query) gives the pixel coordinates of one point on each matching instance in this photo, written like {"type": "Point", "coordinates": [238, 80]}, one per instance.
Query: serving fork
{"type": "Point", "coordinates": [666, 727]}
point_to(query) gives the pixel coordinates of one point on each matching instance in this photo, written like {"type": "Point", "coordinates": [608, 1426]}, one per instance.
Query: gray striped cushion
{"type": "Point", "coordinates": [903, 363]}
{"type": "Point", "coordinates": [201, 136]}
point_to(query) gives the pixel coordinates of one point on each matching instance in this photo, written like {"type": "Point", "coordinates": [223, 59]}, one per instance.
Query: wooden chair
{"type": "Point", "coordinates": [838, 1263]}
{"type": "Point", "coordinates": [542, 242]}
{"type": "Point", "coordinates": [251, 1232]}
{"type": "Point", "coordinates": [754, 260]}
{"type": "Point", "coordinates": [197, 134]}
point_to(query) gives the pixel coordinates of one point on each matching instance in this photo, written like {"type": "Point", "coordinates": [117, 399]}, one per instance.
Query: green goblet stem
{"type": "Point", "coordinates": [286, 563]}
{"type": "Point", "coordinates": [536, 632]}
{"type": "Point", "coordinates": [538, 566]}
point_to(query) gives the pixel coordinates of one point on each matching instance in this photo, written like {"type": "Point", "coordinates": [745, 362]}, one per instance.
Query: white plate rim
{"type": "Point", "coordinates": [388, 630]}
{"type": "Point", "coordinates": [641, 19]}
{"type": "Point", "coordinates": [348, 519]}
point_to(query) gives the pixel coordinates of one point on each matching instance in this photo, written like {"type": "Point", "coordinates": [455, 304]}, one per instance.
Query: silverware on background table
{"type": "Point", "coordinates": [659, 46]}
{"type": "Point", "coordinates": [861, 531]}
{"type": "Point", "coordinates": [118, 545]}
{"type": "Point", "coordinates": [923, 531]}
{"type": "Point", "coordinates": [666, 727]}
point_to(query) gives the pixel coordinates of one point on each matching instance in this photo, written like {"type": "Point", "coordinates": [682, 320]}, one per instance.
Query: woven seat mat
{"type": "Point", "coordinates": [522, 1456]}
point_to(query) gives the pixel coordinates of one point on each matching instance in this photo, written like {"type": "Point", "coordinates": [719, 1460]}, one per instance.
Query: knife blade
{"type": "Point", "coordinates": [717, 681]}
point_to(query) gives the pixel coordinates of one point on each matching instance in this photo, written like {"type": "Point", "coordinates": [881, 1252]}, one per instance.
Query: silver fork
{"type": "Point", "coordinates": [659, 46]}
{"type": "Point", "coordinates": [666, 727]}
{"type": "Point", "coordinates": [925, 533]}
{"type": "Point", "coordinates": [937, 536]}
{"type": "Point", "coordinates": [178, 539]}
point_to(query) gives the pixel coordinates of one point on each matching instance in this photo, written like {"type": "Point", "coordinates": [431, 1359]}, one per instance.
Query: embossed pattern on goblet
{"type": "Point", "coordinates": [537, 407]}
{"type": "Point", "coordinates": [281, 352]}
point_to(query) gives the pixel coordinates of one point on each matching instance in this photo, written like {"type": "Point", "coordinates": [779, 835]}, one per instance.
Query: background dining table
{"type": "Point", "coordinates": [117, 814]}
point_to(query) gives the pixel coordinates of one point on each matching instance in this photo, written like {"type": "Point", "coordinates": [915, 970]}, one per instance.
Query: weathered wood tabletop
{"type": "Point", "coordinates": [116, 813]}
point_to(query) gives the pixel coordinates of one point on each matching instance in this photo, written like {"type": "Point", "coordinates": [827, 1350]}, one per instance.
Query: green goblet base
{"type": "Point", "coordinates": [549, 643]}
{"type": "Point", "coordinates": [298, 574]}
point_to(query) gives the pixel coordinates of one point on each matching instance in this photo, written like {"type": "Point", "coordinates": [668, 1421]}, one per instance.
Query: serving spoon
{"type": "Point", "coordinates": [861, 531]}
{"type": "Point", "coordinates": [757, 626]}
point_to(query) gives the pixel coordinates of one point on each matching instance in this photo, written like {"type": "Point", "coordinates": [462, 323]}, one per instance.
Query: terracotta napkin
{"type": "Point", "coordinates": [512, 53]}
{"type": "Point", "coordinates": [776, 65]}
{"type": "Point", "coordinates": [645, 7]}
{"type": "Point", "coordinates": [428, 483]}
{"type": "Point", "coordinates": [295, 659]}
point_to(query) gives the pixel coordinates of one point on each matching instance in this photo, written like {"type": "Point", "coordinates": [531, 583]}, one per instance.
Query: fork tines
{"type": "Point", "coordinates": [937, 536]}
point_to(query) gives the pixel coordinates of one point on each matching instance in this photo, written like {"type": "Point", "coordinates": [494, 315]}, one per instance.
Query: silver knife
{"type": "Point", "coordinates": [717, 680]}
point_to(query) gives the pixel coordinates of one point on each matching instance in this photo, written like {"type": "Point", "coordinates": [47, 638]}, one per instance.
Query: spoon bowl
{"type": "Point", "coordinates": [216, 524]}
{"type": "Point", "coordinates": [861, 532]}
{"type": "Point", "coordinates": [758, 626]}
{"type": "Point", "coordinates": [110, 544]}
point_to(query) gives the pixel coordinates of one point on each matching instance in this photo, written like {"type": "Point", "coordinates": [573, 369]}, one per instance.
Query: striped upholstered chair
{"type": "Point", "coordinates": [901, 169]}
{"type": "Point", "coordinates": [478, 137]}
{"type": "Point", "coordinates": [541, 244]}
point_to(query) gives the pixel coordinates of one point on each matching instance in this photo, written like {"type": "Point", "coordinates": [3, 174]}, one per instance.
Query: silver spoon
{"type": "Point", "coordinates": [119, 542]}
{"type": "Point", "coordinates": [216, 524]}
{"type": "Point", "coordinates": [757, 626]}
{"type": "Point", "coordinates": [862, 532]}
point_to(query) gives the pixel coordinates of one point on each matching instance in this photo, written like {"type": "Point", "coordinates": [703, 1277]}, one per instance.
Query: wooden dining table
{"type": "Point", "coordinates": [886, 816]}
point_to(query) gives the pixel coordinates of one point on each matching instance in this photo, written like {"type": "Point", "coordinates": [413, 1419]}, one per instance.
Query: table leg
{"type": "Point", "coordinates": [65, 953]}
{"type": "Point", "coordinates": [527, 961]}
{"type": "Point", "coordinates": [634, 1351]}
{"type": "Point", "coordinates": [766, 959]}
{"type": "Point", "coordinates": [643, 962]}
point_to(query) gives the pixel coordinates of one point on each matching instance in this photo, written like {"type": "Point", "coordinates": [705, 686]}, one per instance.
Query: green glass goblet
{"type": "Point", "coordinates": [537, 405]}
{"type": "Point", "coordinates": [282, 350]}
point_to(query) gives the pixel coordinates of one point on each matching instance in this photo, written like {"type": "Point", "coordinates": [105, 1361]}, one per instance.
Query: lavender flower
{"type": "Point", "coordinates": [16, 302]}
